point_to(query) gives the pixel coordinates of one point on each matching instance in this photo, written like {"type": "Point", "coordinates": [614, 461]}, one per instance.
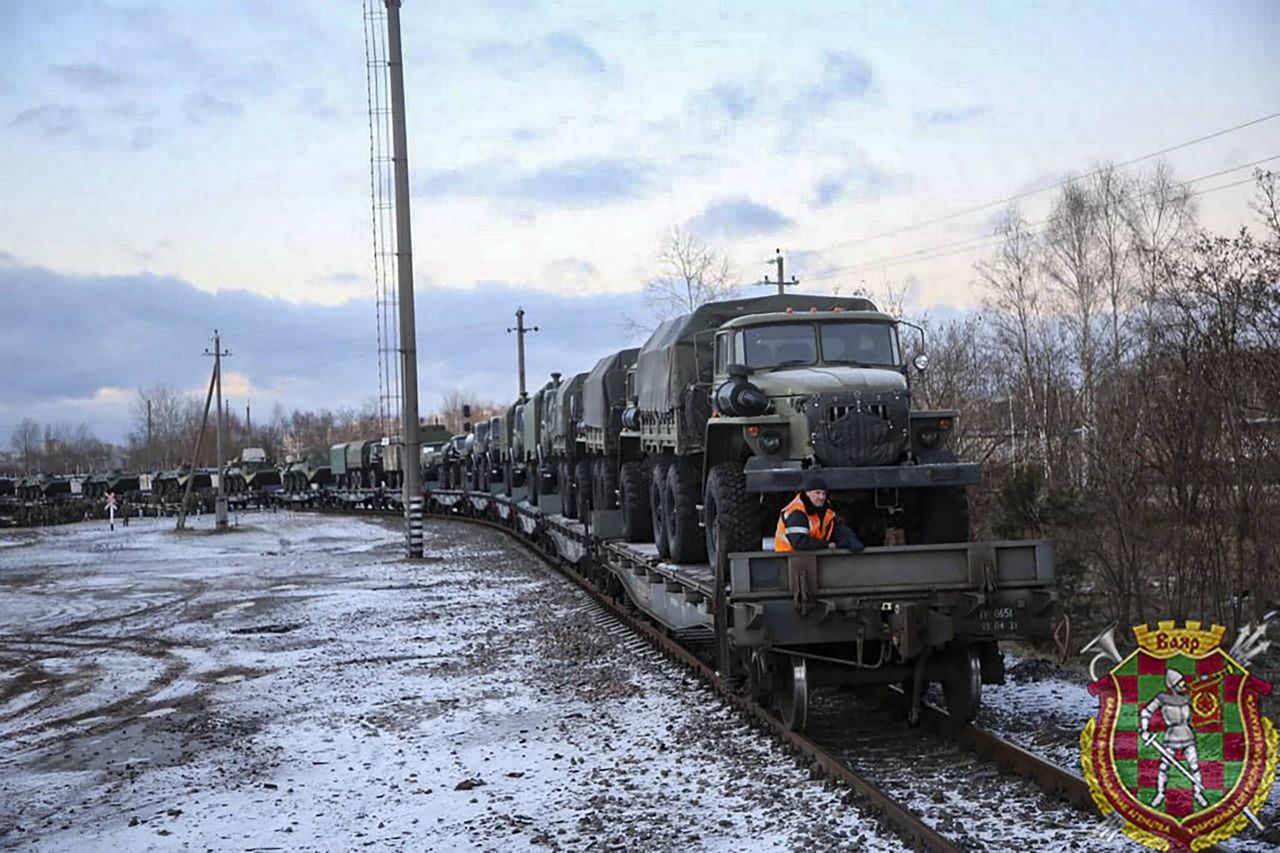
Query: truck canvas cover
{"type": "Point", "coordinates": [667, 363]}
{"type": "Point", "coordinates": [605, 387]}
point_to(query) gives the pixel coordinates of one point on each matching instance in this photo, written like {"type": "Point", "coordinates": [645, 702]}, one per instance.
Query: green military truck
{"type": "Point", "coordinates": [604, 396]}
{"type": "Point", "coordinates": [735, 405]}
{"type": "Point", "coordinates": [562, 448]}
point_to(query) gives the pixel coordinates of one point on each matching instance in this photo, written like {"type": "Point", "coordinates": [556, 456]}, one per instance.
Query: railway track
{"type": "Point", "coordinates": [825, 755]}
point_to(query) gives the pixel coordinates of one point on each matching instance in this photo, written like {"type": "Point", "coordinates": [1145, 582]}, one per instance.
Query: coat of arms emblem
{"type": "Point", "coordinates": [1179, 749]}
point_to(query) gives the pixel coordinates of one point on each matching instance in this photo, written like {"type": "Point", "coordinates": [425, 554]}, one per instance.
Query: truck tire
{"type": "Point", "coordinates": [942, 515]}
{"type": "Point", "coordinates": [660, 505]}
{"type": "Point", "coordinates": [636, 518]}
{"type": "Point", "coordinates": [568, 504]}
{"type": "Point", "coordinates": [582, 475]}
{"type": "Point", "coordinates": [608, 485]}
{"type": "Point", "coordinates": [725, 499]}
{"type": "Point", "coordinates": [684, 533]}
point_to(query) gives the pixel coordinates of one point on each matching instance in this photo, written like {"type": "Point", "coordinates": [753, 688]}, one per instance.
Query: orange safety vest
{"type": "Point", "coordinates": [820, 527]}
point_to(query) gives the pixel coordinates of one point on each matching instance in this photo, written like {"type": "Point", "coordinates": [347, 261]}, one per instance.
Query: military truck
{"type": "Point", "coordinates": [393, 461]}
{"type": "Point", "coordinates": [527, 440]}
{"type": "Point", "coordinates": [475, 457]}
{"type": "Point", "coordinates": [496, 447]}
{"type": "Point", "coordinates": [739, 403]}
{"type": "Point", "coordinates": [604, 396]}
{"type": "Point", "coordinates": [562, 449]}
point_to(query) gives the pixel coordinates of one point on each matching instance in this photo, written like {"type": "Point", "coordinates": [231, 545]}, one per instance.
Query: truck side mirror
{"type": "Point", "coordinates": [466, 410]}
{"type": "Point", "coordinates": [920, 362]}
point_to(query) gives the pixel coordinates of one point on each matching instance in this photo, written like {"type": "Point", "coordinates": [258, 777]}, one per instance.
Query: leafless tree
{"type": "Point", "coordinates": [691, 272]}
{"type": "Point", "coordinates": [26, 442]}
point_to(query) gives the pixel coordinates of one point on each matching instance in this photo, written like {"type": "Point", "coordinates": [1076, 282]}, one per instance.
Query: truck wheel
{"type": "Point", "coordinates": [583, 492]}
{"type": "Point", "coordinates": [942, 515]}
{"type": "Point", "coordinates": [568, 505]}
{"type": "Point", "coordinates": [726, 500]}
{"type": "Point", "coordinates": [659, 505]}
{"type": "Point", "coordinates": [608, 485]}
{"type": "Point", "coordinates": [962, 684]}
{"type": "Point", "coordinates": [637, 520]}
{"type": "Point", "coordinates": [684, 536]}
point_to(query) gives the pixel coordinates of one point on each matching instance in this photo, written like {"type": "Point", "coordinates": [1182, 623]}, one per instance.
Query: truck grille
{"type": "Point", "coordinates": [859, 432]}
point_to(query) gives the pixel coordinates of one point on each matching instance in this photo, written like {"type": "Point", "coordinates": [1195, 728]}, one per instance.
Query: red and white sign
{"type": "Point", "coordinates": [111, 500]}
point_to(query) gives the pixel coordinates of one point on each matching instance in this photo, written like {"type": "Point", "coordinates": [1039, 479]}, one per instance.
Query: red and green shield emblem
{"type": "Point", "coordinates": [1179, 748]}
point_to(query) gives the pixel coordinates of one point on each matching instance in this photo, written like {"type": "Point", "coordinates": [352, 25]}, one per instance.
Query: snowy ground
{"type": "Point", "coordinates": [295, 685]}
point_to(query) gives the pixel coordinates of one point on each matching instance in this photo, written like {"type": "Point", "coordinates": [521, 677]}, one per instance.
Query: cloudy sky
{"type": "Point", "coordinates": [174, 167]}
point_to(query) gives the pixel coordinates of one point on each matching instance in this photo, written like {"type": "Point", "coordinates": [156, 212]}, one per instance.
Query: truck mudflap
{"type": "Point", "coordinates": [907, 597]}
{"type": "Point", "coordinates": [765, 474]}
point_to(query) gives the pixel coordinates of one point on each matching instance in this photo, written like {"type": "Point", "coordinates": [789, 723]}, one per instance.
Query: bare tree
{"type": "Point", "coordinates": [1015, 305]}
{"type": "Point", "coordinates": [690, 273]}
{"type": "Point", "coordinates": [26, 442]}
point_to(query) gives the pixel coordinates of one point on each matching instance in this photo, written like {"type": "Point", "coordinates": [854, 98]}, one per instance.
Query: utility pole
{"type": "Point", "coordinates": [519, 328]}
{"type": "Point", "coordinates": [151, 448]}
{"type": "Point", "coordinates": [220, 500]}
{"type": "Point", "coordinates": [404, 264]}
{"type": "Point", "coordinates": [781, 282]}
{"type": "Point", "coordinates": [248, 424]}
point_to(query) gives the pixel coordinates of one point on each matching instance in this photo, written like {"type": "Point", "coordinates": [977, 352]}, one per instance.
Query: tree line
{"type": "Point", "coordinates": [1122, 383]}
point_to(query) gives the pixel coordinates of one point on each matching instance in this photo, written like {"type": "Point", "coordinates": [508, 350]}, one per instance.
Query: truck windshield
{"type": "Point", "coordinates": [783, 345]}
{"type": "Point", "coordinates": [858, 343]}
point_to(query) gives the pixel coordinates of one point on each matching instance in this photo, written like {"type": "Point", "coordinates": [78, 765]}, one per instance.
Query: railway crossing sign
{"type": "Point", "coordinates": [1179, 749]}
{"type": "Point", "coordinates": [111, 508]}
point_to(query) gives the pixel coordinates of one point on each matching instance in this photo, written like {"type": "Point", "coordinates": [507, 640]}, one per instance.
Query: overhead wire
{"type": "Point", "coordinates": [1056, 184]}
{"type": "Point", "coordinates": [972, 243]}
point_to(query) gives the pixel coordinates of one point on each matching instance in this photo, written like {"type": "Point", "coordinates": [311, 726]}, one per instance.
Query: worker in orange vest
{"type": "Point", "coordinates": [808, 524]}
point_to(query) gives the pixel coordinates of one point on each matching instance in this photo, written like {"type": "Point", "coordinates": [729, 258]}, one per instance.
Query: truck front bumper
{"type": "Point", "coordinates": [765, 474]}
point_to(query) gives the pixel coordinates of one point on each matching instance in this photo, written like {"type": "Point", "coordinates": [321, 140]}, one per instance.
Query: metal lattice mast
{"type": "Point", "coordinates": [382, 198]}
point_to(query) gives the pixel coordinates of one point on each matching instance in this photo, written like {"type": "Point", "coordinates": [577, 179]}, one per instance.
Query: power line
{"type": "Point", "coordinates": [969, 244]}
{"type": "Point", "coordinates": [1036, 191]}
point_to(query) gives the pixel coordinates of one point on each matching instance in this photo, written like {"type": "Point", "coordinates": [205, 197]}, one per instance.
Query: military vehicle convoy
{"type": "Point", "coordinates": [725, 412]}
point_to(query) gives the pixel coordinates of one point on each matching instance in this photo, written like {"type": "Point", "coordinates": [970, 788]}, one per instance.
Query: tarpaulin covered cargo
{"type": "Point", "coordinates": [605, 389]}
{"type": "Point", "coordinates": [668, 365]}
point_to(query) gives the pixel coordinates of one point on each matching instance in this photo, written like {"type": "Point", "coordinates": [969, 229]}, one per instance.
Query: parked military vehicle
{"type": "Point", "coordinates": [429, 435]}
{"type": "Point", "coordinates": [604, 396]}
{"type": "Point", "coordinates": [475, 457]}
{"type": "Point", "coordinates": [561, 447]}
{"type": "Point", "coordinates": [494, 459]}
{"type": "Point", "coordinates": [122, 484]}
{"type": "Point", "coordinates": [452, 462]}
{"type": "Point", "coordinates": [307, 471]}
{"type": "Point", "coordinates": [529, 420]}
{"type": "Point", "coordinates": [8, 487]}
{"type": "Point", "coordinates": [738, 403]}
{"type": "Point", "coordinates": [251, 471]}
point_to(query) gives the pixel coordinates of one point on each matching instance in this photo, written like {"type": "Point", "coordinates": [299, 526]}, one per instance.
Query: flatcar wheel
{"type": "Point", "coordinates": [758, 677]}
{"type": "Point", "coordinates": [962, 686]}
{"type": "Point", "coordinates": [792, 694]}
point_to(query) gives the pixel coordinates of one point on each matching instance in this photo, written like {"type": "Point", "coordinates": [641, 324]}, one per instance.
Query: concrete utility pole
{"type": "Point", "coordinates": [781, 283]}
{"type": "Point", "coordinates": [151, 448]}
{"type": "Point", "coordinates": [404, 264]}
{"type": "Point", "coordinates": [220, 499]}
{"type": "Point", "coordinates": [519, 328]}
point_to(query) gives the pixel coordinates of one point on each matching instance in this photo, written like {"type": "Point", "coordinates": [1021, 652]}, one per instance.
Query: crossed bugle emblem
{"type": "Point", "coordinates": [1179, 756]}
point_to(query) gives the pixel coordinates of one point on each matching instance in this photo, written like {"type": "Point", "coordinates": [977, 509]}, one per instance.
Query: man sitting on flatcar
{"type": "Point", "coordinates": [808, 524]}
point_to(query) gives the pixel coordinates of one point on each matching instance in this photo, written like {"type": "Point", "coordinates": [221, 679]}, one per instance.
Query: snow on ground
{"type": "Point", "coordinates": [296, 685]}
